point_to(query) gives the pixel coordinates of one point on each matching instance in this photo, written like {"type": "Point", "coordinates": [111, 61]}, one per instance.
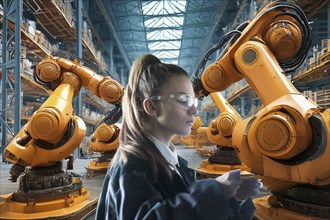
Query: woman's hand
{"type": "Point", "coordinates": [230, 182]}
{"type": "Point", "coordinates": [242, 188]}
{"type": "Point", "coordinates": [249, 187]}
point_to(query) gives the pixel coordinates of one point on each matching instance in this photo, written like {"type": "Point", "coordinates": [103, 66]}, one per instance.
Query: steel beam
{"type": "Point", "coordinates": [105, 14]}
{"type": "Point", "coordinates": [4, 80]}
{"type": "Point", "coordinates": [17, 71]}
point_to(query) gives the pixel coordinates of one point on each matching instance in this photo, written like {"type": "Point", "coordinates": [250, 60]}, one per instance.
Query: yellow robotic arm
{"type": "Point", "coordinates": [52, 132]}
{"type": "Point", "coordinates": [106, 136]}
{"type": "Point", "coordinates": [287, 142]}
{"type": "Point", "coordinates": [51, 69]}
{"type": "Point", "coordinates": [104, 140]}
{"type": "Point", "coordinates": [47, 137]}
{"type": "Point", "coordinates": [281, 35]}
{"type": "Point", "coordinates": [219, 132]}
{"type": "Point", "coordinates": [220, 129]}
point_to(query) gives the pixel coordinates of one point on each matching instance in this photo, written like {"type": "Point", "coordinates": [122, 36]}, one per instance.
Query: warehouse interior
{"type": "Point", "coordinates": [107, 36]}
{"type": "Point", "coordinates": [123, 36]}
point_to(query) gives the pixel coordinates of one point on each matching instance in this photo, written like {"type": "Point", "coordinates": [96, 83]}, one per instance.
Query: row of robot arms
{"type": "Point", "coordinates": [286, 143]}
{"type": "Point", "coordinates": [51, 135]}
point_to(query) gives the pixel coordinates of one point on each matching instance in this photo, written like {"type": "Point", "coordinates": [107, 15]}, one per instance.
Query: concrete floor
{"type": "Point", "coordinates": [94, 184]}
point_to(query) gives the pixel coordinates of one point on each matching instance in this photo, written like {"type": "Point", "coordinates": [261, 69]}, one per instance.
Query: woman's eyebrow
{"type": "Point", "coordinates": [183, 93]}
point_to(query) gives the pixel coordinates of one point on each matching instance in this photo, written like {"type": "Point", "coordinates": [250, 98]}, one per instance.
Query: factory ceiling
{"type": "Point", "coordinates": [177, 32]}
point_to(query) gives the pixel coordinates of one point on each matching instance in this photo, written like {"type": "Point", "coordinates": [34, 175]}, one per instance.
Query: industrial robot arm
{"type": "Point", "coordinates": [53, 131]}
{"type": "Point", "coordinates": [287, 142]}
{"type": "Point", "coordinates": [50, 71]}
{"type": "Point", "coordinates": [51, 135]}
{"type": "Point", "coordinates": [220, 133]}
{"type": "Point", "coordinates": [281, 27]}
{"type": "Point", "coordinates": [221, 128]}
{"type": "Point", "coordinates": [106, 136]}
{"type": "Point", "coordinates": [104, 140]}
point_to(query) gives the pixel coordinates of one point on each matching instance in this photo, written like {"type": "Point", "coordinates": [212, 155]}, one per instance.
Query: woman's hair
{"type": "Point", "coordinates": [148, 77]}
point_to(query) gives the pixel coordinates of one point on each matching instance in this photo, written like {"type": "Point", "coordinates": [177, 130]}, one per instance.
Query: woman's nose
{"type": "Point", "coordinates": [193, 110]}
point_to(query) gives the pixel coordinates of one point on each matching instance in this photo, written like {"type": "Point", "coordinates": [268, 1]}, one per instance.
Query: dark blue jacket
{"type": "Point", "coordinates": [129, 192]}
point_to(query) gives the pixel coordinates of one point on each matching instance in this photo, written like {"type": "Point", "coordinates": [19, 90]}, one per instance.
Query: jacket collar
{"type": "Point", "coordinates": [168, 152]}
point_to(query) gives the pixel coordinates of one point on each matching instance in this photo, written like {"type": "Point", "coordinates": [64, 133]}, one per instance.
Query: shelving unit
{"type": "Point", "coordinates": [237, 91]}
{"type": "Point", "coordinates": [58, 21]}
{"type": "Point", "coordinates": [323, 98]}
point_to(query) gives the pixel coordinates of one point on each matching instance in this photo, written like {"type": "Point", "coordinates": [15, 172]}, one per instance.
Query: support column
{"type": "Point", "coordinates": [122, 77]}
{"type": "Point", "coordinates": [242, 102]}
{"type": "Point", "coordinates": [4, 80]}
{"type": "Point", "coordinates": [18, 16]}
{"type": "Point", "coordinates": [79, 50]}
{"type": "Point", "coordinates": [328, 21]}
{"type": "Point", "coordinates": [252, 9]}
{"type": "Point", "coordinates": [80, 55]}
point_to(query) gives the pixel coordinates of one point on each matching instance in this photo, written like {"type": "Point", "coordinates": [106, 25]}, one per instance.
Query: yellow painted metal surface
{"type": "Point", "coordinates": [73, 206]}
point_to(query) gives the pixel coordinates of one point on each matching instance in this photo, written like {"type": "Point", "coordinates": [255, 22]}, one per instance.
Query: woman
{"type": "Point", "coordinates": [147, 180]}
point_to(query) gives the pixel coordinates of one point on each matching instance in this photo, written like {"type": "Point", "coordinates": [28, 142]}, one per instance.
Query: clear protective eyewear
{"type": "Point", "coordinates": [184, 101]}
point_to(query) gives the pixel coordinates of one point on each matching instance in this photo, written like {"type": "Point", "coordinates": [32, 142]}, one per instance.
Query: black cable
{"type": "Point", "coordinates": [299, 15]}
{"type": "Point", "coordinates": [288, 65]}
{"type": "Point", "coordinates": [111, 117]}
{"type": "Point", "coordinates": [220, 43]}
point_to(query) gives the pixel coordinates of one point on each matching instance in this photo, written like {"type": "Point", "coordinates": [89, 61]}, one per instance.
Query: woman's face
{"type": "Point", "coordinates": [176, 108]}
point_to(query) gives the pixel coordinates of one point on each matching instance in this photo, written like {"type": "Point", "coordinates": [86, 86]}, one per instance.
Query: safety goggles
{"type": "Point", "coordinates": [184, 101]}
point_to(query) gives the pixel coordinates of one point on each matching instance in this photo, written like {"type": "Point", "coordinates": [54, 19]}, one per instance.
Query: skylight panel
{"type": "Point", "coordinates": [163, 45]}
{"type": "Point", "coordinates": [168, 21]}
{"type": "Point", "coordinates": [163, 7]}
{"type": "Point", "coordinates": [167, 54]}
{"type": "Point", "coordinates": [163, 21]}
{"type": "Point", "coordinates": [165, 34]}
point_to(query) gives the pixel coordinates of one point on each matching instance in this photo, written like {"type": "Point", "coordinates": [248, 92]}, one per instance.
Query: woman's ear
{"type": "Point", "coordinates": [149, 107]}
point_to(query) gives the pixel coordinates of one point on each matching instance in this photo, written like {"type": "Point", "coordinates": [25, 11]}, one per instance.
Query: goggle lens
{"type": "Point", "coordinates": [184, 101]}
